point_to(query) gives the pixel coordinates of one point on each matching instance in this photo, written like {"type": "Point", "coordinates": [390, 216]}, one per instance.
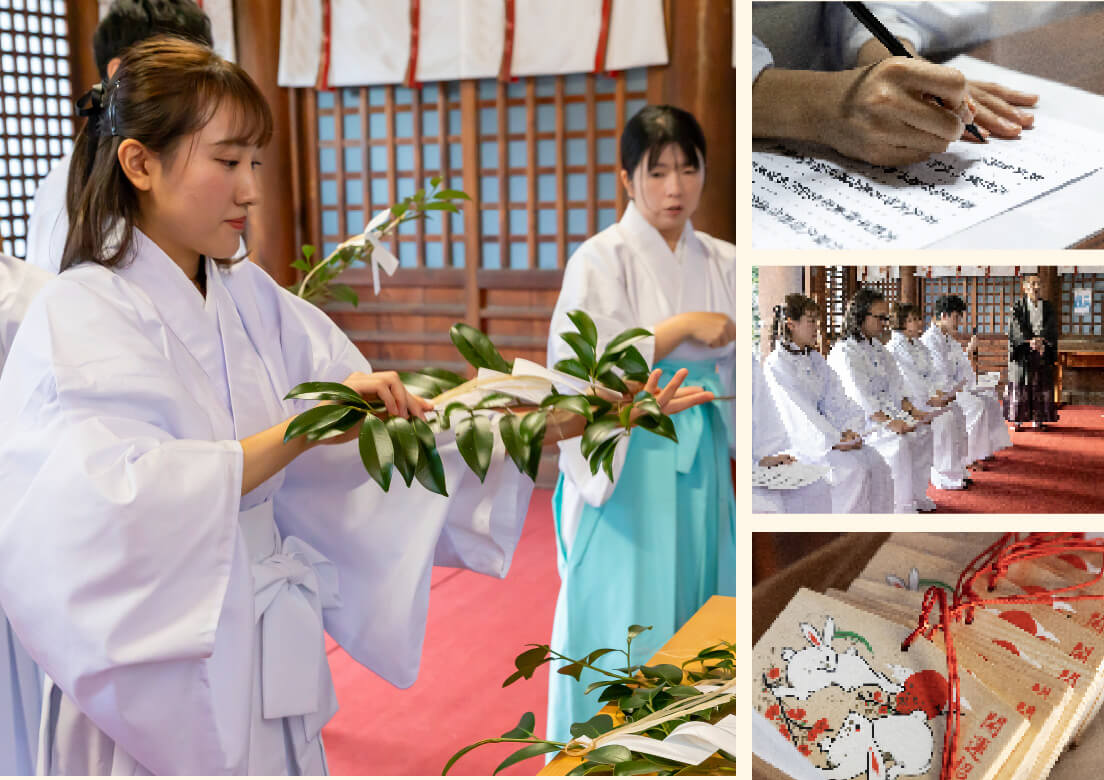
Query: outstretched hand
{"type": "Point", "coordinates": [673, 397]}
{"type": "Point", "coordinates": [1000, 109]}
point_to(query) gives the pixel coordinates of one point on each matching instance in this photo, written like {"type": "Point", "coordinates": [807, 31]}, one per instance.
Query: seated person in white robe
{"type": "Point", "coordinates": [986, 430]}
{"type": "Point", "coordinates": [193, 557]}
{"type": "Point", "coordinates": [923, 383]}
{"type": "Point", "coordinates": [902, 434]}
{"type": "Point", "coordinates": [821, 76]}
{"type": "Point", "coordinates": [769, 445]}
{"type": "Point", "coordinates": [823, 425]}
{"type": "Point", "coordinates": [20, 679]}
{"type": "Point", "coordinates": [126, 23]}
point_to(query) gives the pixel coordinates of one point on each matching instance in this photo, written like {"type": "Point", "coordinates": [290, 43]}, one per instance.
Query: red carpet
{"type": "Point", "coordinates": [1060, 470]}
{"type": "Point", "coordinates": [477, 625]}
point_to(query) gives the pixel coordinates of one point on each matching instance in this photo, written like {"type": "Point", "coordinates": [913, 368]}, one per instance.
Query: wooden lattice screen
{"type": "Point", "coordinates": [35, 107]}
{"type": "Point", "coordinates": [1082, 326]}
{"type": "Point", "coordinates": [539, 158]}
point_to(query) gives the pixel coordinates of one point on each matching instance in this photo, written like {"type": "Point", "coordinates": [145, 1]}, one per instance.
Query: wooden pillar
{"type": "Point", "coordinates": [775, 283]}
{"type": "Point", "coordinates": [271, 231]}
{"type": "Point", "coordinates": [699, 78]}
{"type": "Point", "coordinates": [910, 292]}
{"type": "Point", "coordinates": [1051, 287]}
{"type": "Point", "coordinates": [82, 19]}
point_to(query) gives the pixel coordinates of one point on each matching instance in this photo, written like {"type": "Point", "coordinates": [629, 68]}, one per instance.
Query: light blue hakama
{"type": "Point", "coordinates": [652, 554]}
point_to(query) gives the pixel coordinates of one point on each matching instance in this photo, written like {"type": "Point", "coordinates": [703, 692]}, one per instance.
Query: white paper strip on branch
{"type": "Point", "coordinates": [369, 42]}
{"type": "Point", "coordinates": [638, 35]}
{"type": "Point", "coordinates": [460, 39]}
{"type": "Point", "coordinates": [300, 42]}
{"type": "Point", "coordinates": [221, 14]}
{"type": "Point", "coordinates": [555, 38]}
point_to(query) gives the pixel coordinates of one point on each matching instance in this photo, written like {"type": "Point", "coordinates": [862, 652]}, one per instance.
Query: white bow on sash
{"type": "Point", "coordinates": [380, 257]}
{"type": "Point", "coordinates": [291, 587]}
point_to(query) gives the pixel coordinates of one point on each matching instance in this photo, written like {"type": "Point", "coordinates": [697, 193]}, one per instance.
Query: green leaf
{"type": "Point", "coordinates": [607, 461]}
{"type": "Point", "coordinates": [600, 684]}
{"type": "Point", "coordinates": [596, 654]}
{"type": "Point", "coordinates": [669, 673]}
{"type": "Point", "coordinates": [636, 630]}
{"type": "Point", "coordinates": [683, 691]}
{"type": "Point", "coordinates": [509, 428]}
{"type": "Point", "coordinates": [610, 754]}
{"type": "Point", "coordinates": [434, 181]}
{"type": "Point", "coordinates": [528, 662]}
{"type": "Point", "coordinates": [625, 339]}
{"type": "Point", "coordinates": [612, 381]}
{"type": "Point", "coordinates": [513, 678]}
{"type": "Point", "coordinates": [452, 195]}
{"type": "Point", "coordinates": [441, 206]}
{"type": "Point", "coordinates": [341, 425]}
{"type": "Point", "coordinates": [640, 766]}
{"type": "Point", "coordinates": [633, 363]}
{"type": "Point", "coordinates": [345, 293]}
{"type": "Point", "coordinates": [523, 729]}
{"type": "Point", "coordinates": [598, 457]}
{"type": "Point", "coordinates": [422, 384]}
{"type": "Point", "coordinates": [431, 471]}
{"type": "Point", "coordinates": [300, 264]}
{"type": "Point", "coordinates": [448, 378]}
{"type": "Point", "coordinates": [585, 325]}
{"type": "Point", "coordinates": [615, 691]}
{"type": "Point", "coordinates": [327, 391]}
{"type": "Point", "coordinates": [572, 367]}
{"type": "Point", "coordinates": [308, 251]}
{"type": "Point", "coordinates": [405, 443]}
{"type": "Point", "coordinates": [475, 440]}
{"type": "Point", "coordinates": [599, 405]}
{"type": "Point", "coordinates": [376, 451]}
{"type": "Point", "coordinates": [400, 208]}
{"type": "Point", "coordinates": [592, 728]}
{"type": "Point", "coordinates": [582, 350]}
{"type": "Point", "coordinates": [661, 426]}
{"type": "Point", "coordinates": [426, 439]}
{"type": "Point", "coordinates": [576, 404]}
{"type": "Point", "coordinates": [315, 420]}
{"type": "Point", "coordinates": [446, 417]}
{"type": "Point", "coordinates": [583, 769]}
{"type": "Point", "coordinates": [596, 433]}
{"type": "Point", "coordinates": [571, 670]}
{"type": "Point", "coordinates": [649, 405]}
{"type": "Point", "coordinates": [536, 749]}
{"type": "Point", "coordinates": [532, 429]}
{"type": "Point", "coordinates": [477, 349]}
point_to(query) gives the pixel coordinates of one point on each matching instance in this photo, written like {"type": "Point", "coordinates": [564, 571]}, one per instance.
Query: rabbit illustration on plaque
{"type": "Point", "coordinates": [860, 747]}
{"type": "Point", "coordinates": [818, 666]}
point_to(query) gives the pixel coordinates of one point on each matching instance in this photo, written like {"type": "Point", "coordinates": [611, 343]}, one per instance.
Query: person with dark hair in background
{"type": "Point", "coordinates": [654, 543]}
{"type": "Point", "coordinates": [126, 23]}
{"type": "Point", "coordinates": [824, 425]}
{"type": "Point", "coordinates": [1032, 355]}
{"type": "Point", "coordinates": [871, 379]}
{"type": "Point", "coordinates": [923, 382]}
{"type": "Point", "coordinates": [985, 428]}
{"type": "Point", "coordinates": [20, 678]}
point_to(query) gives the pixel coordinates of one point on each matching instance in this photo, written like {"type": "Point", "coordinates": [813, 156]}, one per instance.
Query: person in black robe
{"type": "Point", "coordinates": [1032, 355]}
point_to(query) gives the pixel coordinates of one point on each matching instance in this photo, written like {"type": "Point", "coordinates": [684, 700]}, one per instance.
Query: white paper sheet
{"type": "Point", "coordinates": [809, 197]}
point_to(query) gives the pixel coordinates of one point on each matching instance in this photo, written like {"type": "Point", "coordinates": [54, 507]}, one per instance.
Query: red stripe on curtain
{"type": "Point", "coordinates": [603, 37]}
{"type": "Point", "coordinates": [412, 65]}
{"type": "Point", "coordinates": [323, 82]}
{"type": "Point", "coordinates": [506, 69]}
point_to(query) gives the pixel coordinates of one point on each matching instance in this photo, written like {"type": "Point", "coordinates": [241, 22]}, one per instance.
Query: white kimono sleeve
{"type": "Point", "coordinates": [761, 58]}
{"type": "Point", "coordinates": [768, 434]}
{"type": "Point", "coordinates": [385, 544]}
{"type": "Point", "coordinates": [111, 519]}
{"type": "Point", "coordinates": [811, 434]}
{"type": "Point", "coordinates": [591, 283]}
{"type": "Point", "coordinates": [843, 413]}
{"type": "Point", "coordinates": [856, 384]}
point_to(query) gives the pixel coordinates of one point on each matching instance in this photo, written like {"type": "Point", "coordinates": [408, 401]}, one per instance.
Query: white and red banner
{"type": "Point", "coordinates": [362, 42]}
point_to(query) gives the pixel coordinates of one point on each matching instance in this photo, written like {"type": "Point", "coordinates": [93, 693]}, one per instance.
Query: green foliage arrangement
{"type": "Point", "coordinates": [652, 701]}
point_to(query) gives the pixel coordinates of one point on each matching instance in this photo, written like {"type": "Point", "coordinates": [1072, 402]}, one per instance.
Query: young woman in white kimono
{"type": "Point", "coordinates": [652, 545]}
{"type": "Point", "coordinates": [824, 425]}
{"type": "Point", "coordinates": [167, 559]}
{"type": "Point", "coordinates": [20, 679]}
{"type": "Point", "coordinates": [986, 430]}
{"type": "Point", "coordinates": [923, 384]}
{"type": "Point", "coordinates": [770, 447]}
{"type": "Point", "coordinates": [870, 377]}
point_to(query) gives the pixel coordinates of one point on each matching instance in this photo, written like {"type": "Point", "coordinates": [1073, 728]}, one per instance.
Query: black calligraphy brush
{"type": "Point", "coordinates": [896, 48]}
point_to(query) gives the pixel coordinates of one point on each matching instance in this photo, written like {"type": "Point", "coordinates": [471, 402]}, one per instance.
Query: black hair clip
{"type": "Point", "coordinates": [101, 99]}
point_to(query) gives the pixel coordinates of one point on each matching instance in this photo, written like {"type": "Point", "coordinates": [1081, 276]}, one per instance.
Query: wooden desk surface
{"type": "Point", "coordinates": [714, 622]}
{"type": "Point", "coordinates": [1068, 51]}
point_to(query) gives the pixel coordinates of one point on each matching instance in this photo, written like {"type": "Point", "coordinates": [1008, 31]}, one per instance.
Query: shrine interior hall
{"type": "Point", "coordinates": [537, 153]}
{"type": "Point", "coordinates": [1052, 471]}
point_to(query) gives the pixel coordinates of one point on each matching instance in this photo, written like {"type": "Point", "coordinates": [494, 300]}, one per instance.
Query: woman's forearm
{"type": "Point", "coordinates": [787, 103]}
{"type": "Point", "coordinates": [265, 453]}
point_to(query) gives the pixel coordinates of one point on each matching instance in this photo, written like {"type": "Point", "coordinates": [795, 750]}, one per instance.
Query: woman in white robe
{"type": "Point", "coordinates": [986, 430]}
{"type": "Point", "coordinates": [659, 539]}
{"type": "Point", "coordinates": [20, 679]}
{"type": "Point", "coordinates": [194, 558]}
{"type": "Point", "coordinates": [901, 434]}
{"type": "Point", "coordinates": [769, 448]}
{"type": "Point", "coordinates": [824, 426]}
{"type": "Point", "coordinates": [923, 383]}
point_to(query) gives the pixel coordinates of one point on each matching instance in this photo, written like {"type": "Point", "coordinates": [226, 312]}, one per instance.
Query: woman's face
{"type": "Point", "coordinates": [198, 198]}
{"type": "Point", "coordinates": [668, 194]}
{"type": "Point", "coordinates": [914, 326]}
{"type": "Point", "coordinates": [873, 326]}
{"type": "Point", "coordinates": [803, 332]}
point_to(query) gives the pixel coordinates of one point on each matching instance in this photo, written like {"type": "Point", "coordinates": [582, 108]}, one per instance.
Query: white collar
{"type": "Point", "coordinates": [647, 239]}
